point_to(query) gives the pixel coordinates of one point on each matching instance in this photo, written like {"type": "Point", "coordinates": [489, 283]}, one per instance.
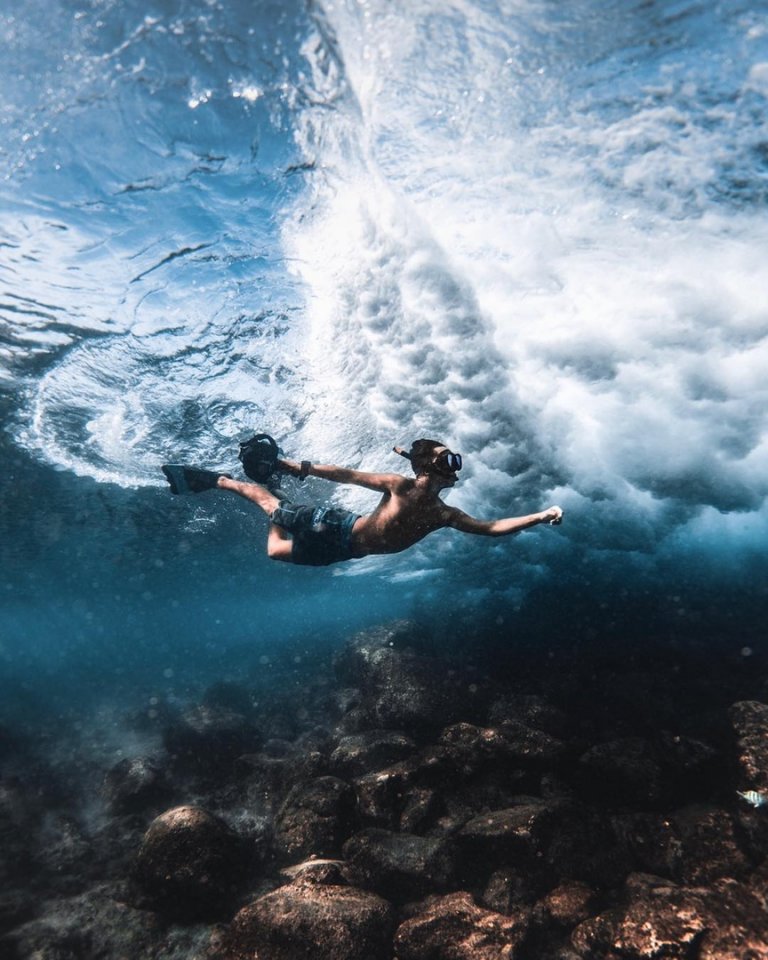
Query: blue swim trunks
{"type": "Point", "coordinates": [321, 535]}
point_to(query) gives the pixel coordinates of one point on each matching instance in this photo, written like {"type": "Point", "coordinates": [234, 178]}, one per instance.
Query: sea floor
{"type": "Point", "coordinates": [385, 800]}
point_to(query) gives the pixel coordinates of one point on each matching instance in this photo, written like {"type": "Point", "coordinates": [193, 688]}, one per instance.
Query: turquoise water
{"type": "Point", "coordinates": [537, 232]}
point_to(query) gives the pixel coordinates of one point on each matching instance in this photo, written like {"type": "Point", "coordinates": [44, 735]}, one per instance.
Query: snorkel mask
{"type": "Point", "coordinates": [446, 463]}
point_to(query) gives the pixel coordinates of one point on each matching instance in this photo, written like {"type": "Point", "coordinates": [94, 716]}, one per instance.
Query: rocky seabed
{"type": "Point", "coordinates": [400, 806]}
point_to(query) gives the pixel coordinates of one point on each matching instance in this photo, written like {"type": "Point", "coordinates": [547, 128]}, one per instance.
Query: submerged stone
{"type": "Point", "coordinates": [453, 927]}
{"type": "Point", "coordinates": [749, 719]}
{"type": "Point", "coordinates": [724, 922]}
{"type": "Point", "coordinates": [371, 750]}
{"type": "Point", "coordinates": [134, 784]}
{"type": "Point", "coordinates": [208, 739]}
{"type": "Point", "coordinates": [190, 864]}
{"type": "Point", "coordinates": [401, 689]}
{"type": "Point", "coordinates": [399, 866]}
{"type": "Point", "coordinates": [310, 922]}
{"type": "Point", "coordinates": [315, 819]}
{"type": "Point", "coordinates": [623, 771]}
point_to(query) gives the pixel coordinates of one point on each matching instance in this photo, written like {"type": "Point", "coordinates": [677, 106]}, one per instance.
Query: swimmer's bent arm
{"type": "Point", "coordinates": [373, 481]}
{"type": "Point", "coordinates": [501, 528]}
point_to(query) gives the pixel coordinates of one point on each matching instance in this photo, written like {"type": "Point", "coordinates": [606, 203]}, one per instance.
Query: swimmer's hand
{"type": "Point", "coordinates": [553, 516]}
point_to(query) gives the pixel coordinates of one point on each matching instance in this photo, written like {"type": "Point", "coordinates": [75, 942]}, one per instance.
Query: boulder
{"type": "Point", "coordinates": [134, 785]}
{"type": "Point", "coordinates": [207, 739]}
{"type": "Point", "coordinates": [19, 824]}
{"type": "Point", "coordinates": [306, 921]}
{"type": "Point", "coordinates": [622, 772]}
{"type": "Point", "coordinates": [511, 743]}
{"type": "Point", "coordinates": [516, 836]}
{"type": "Point", "coordinates": [315, 819]}
{"type": "Point", "coordinates": [362, 753]}
{"type": "Point", "coordinates": [453, 927]}
{"type": "Point", "coordinates": [532, 711]}
{"type": "Point", "coordinates": [694, 845]}
{"type": "Point", "coordinates": [725, 922]}
{"type": "Point", "coordinates": [691, 768]}
{"type": "Point", "coordinates": [97, 923]}
{"type": "Point", "coordinates": [566, 906]}
{"type": "Point", "coordinates": [190, 865]}
{"type": "Point", "coordinates": [268, 779]}
{"type": "Point", "coordinates": [749, 719]}
{"type": "Point", "coordinates": [508, 889]}
{"type": "Point", "coordinates": [423, 806]}
{"type": "Point", "coordinates": [399, 866]}
{"type": "Point", "coordinates": [401, 689]}
{"type": "Point", "coordinates": [383, 795]}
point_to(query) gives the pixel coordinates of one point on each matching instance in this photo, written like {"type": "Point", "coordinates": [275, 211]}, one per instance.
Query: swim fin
{"type": "Point", "coordinates": [190, 479]}
{"type": "Point", "coordinates": [259, 457]}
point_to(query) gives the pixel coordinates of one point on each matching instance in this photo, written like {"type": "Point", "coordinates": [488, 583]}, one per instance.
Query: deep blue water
{"type": "Point", "coordinates": [535, 231]}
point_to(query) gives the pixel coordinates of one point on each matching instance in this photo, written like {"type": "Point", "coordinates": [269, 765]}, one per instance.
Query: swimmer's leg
{"type": "Point", "coordinates": [279, 544]}
{"type": "Point", "coordinates": [251, 491]}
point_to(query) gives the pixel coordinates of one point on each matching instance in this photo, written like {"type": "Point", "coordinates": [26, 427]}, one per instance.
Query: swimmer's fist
{"type": "Point", "coordinates": [553, 516]}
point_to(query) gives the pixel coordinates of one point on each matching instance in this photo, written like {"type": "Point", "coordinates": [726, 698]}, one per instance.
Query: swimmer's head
{"type": "Point", "coordinates": [432, 457]}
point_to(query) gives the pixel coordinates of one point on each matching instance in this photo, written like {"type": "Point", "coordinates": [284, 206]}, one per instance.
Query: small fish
{"type": "Point", "coordinates": [753, 797]}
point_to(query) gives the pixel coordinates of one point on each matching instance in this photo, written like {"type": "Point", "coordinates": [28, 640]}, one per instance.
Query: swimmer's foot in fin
{"type": "Point", "coordinates": [190, 479]}
{"type": "Point", "coordinates": [259, 457]}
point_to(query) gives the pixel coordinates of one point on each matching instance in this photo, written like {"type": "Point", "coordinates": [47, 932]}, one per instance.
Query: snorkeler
{"type": "Point", "coordinates": [409, 509]}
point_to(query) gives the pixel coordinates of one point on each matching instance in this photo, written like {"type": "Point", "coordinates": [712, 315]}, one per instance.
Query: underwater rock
{"type": "Point", "coordinates": [401, 689]}
{"type": "Point", "coordinates": [19, 822]}
{"type": "Point", "coordinates": [511, 743]}
{"type": "Point", "coordinates": [316, 818]}
{"type": "Point", "coordinates": [268, 780]}
{"type": "Point", "coordinates": [422, 807]}
{"type": "Point", "coordinates": [507, 889]}
{"type": "Point", "coordinates": [93, 924]}
{"type": "Point", "coordinates": [190, 864]}
{"type": "Point", "coordinates": [517, 835]}
{"type": "Point", "coordinates": [691, 768]}
{"type": "Point", "coordinates": [543, 842]}
{"type": "Point", "coordinates": [135, 784]}
{"type": "Point", "coordinates": [725, 922]}
{"type": "Point", "coordinates": [384, 794]}
{"type": "Point", "coordinates": [694, 845]}
{"type": "Point", "coordinates": [208, 739]}
{"type": "Point", "coordinates": [749, 719]}
{"type": "Point", "coordinates": [66, 853]}
{"type": "Point", "coordinates": [453, 927]}
{"type": "Point", "coordinates": [371, 750]}
{"type": "Point", "coordinates": [399, 866]}
{"type": "Point", "coordinates": [532, 711]}
{"type": "Point", "coordinates": [583, 844]}
{"type": "Point", "coordinates": [566, 906]}
{"type": "Point", "coordinates": [622, 771]}
{"type": "Point", "coordinates": [305, 921]}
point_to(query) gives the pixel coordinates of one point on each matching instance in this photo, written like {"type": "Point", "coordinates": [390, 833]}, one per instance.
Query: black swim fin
{"type": "Point", "coordinates": [259, 457]}
{"type": "Point", "coordinates": [190, 479]}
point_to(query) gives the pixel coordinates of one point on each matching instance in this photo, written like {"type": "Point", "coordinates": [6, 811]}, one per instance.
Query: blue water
{"type": "Point", "coordinates": [535, 231]}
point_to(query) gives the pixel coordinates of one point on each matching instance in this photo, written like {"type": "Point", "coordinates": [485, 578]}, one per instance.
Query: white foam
{"type": "Point", "coordinates": [558, 288]}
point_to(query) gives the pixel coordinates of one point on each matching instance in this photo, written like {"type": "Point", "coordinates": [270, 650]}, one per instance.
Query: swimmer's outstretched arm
{"type": "Point", "coordinates": [502, 528]}
{"type": "Point", "coordinates": [373, 481]}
